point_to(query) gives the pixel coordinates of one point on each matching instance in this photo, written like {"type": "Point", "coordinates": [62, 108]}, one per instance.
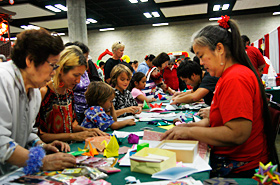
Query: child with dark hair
{"type": "Point", "coordinates": [99, 96]}
{"type": "Point", "coordinates": [138, 82]}
{"type": "Point", "coordinates": [170, 75]}
{"type": "Point", "coordinates": [155, 73]}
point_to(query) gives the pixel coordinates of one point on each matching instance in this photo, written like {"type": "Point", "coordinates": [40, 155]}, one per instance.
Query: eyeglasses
{"type": "Point", "coordinates": [54, 66]}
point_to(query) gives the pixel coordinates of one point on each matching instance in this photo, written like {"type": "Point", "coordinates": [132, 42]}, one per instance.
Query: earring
{"type": "Point", "coordinates": [61, 84]}
{"type": "Point", "coordinates": [222, 63]}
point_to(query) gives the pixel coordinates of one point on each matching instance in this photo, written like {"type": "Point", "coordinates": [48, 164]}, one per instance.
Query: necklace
{"type": "Point", "coordinates": [60, 108]}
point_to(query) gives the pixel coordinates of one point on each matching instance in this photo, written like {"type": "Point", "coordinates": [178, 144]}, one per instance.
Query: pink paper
{"type": "Point", "coordinates": [152, 135]}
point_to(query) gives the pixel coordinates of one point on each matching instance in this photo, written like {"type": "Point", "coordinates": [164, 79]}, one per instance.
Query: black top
{"type": "Point", "coordinates": [208, 82]}
{"type": "Point", "coordinates": [111, 63]}
{"type": "Point", "coordinates": [92, 72]}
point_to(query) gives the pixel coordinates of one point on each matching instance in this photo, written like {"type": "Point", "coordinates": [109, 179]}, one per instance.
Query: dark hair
{"type": "Point", "coordinates": [210, 36]}
{"type": "Point", "coordinates": [135, 61]}
{"type": "Point", "coordinates": [260, 49]}
{"type": "Point", "coordinates": [81, 45]}
{"type": "Point", "coordinates": [38, 45]}
{"type": "Point", "coordinates": [245, 39]}
{"type": "Point", "coordinates": [160, 59]}
{"type": "Point", "coordinates": [98, 92]}
{"type": "Point", "coordinates": [101, 63]}
{"type": "Point", "coordinates": [187, 68]}
{"type": "Point", "coordinates": [150, 57]}
{"type": "Point", "coordinates": [137, 77]}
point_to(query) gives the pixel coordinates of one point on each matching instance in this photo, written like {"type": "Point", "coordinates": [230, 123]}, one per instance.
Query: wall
{"type": "Point", "coordinates": [146, 39]}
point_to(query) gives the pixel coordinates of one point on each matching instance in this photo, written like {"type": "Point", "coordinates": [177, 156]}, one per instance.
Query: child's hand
{"type": "Point", "coordinates": [130, 122]}
{"type": "Point", "coordinates": [81, 136]}
{"type": "Point", "coordinates": [153, 99]}
{"type": "Point", "coordinates": [133, 109]}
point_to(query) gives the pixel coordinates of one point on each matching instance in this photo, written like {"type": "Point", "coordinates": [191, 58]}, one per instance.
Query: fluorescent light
{"type": "Point", "coordinates": [155, 14]}
{"type": "Point", "coordinates": [216, 7]}
{"type": "Point", "coordinates": [147, 15]}
{"type": "Point", "coordinates": [91, 20]}
{"type": "Point", "coordinates": [13, 38]}
{"type": "Point", "coordinates": [60, 33]}
{"type": "Point", "coordinates": [52, 8]}
{"type": "Point", "coordinates": [87, 22]}
{"type": "Point", "coordinates": [161, 24]}
{"type": "Point", "coordinates": [61, 7]}
{"type": "Point", "coordinates": [133, 1]}
{"type": "Point", "coordinates": [214, 18]}
{"type": "Point", "coordinates": [30, 27]}
{"type": "Point", "coordinates": [107, 29]}
{"type": "Point", "coordinates": [225, 6]}
{"type": "Point", "coordinates": [276, 13]}
{"type": "Point", "coordinates": [143, 1]}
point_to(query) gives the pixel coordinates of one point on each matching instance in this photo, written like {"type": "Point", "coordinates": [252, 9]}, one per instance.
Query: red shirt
{"type": "Point", "coordinates": [170, 77]}
{"type": "Point", "coordinates": [255, 56]}
{"type": "Point", "coordinates": [237, 95]}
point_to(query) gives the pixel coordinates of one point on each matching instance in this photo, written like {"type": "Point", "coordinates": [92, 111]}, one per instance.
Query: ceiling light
{"type": "Point", "coordinates": [92, 20]}
{"type": "Point", "coordinates": [107, 29]}
{"type": "Point", "coordinates": [161, 24]}
{"type": "Point", "coordinates": [147, 15]}
{"type": "Point", "coordinates": [61, 7]}
{"type": "Point", "coordinates": [30, 27]}
{"type": "Point", "coordinates": [276, 13]}
{"type": "Point", "coordinates": [214, 18]}
{"type": "Point", "coordinates": [60, 34]}
{"type": "Point", "coordinates": [225, 6]}
{"type": "Point", "coordinates": [87, 22]}
{"type": "Point", "coordinates": [216, 7]}
{"type": "Point", "coordinates": [52, 8]}
{"type": "Point", "coordinates": [155, 14]}
{"type": "Point", "coordinates": [143, 1]}
{"type": "Point", "coordinates": [133, 1]}
{"type": "Point", "coordinates": [13, 38]}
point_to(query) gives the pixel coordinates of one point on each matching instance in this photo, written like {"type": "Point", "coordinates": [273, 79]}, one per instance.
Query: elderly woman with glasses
{"type": "Point", "coordinates": [34, 59]}
{"type": "Point", "coordinates": [57, 119]}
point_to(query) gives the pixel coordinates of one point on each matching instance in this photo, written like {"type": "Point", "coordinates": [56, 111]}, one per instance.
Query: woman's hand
{"type": "Point", "coordinates": [204, 113]}
{"type": "Point", "coordinates": [134, 110]}
{"type": "Point", "coordinates": [81, 136]}
{"type": "Point", "coordinates": [55, 145]}
{"type": "Point", "coordinates": [98, 131]}
{"type": "Point", "coordinates": [176, 133]}
{"type": "Point", "coordinates": [175, 101]}
{"type": "Point", "coordinates": [58, 161]}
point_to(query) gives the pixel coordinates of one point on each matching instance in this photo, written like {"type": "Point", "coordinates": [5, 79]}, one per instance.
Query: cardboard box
{"type": "Point", "coordinates": [151, 167]}
{"type": "Point", "coordinates": [185, 150]}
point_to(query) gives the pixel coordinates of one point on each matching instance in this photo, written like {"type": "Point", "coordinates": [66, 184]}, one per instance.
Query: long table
{"type": "Point", "coordinates": [119, 178]}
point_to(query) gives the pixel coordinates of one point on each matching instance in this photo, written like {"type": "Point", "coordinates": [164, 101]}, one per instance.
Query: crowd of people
{"type": "Point", "coordinates": [52, 94]}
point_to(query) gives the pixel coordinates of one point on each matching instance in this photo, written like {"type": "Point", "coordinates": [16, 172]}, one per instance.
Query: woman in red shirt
{"type": "Point", "coordinates": [239, 127]}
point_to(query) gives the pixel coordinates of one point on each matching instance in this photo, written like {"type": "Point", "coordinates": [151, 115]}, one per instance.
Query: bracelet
{"type": "Point", "coordinates": [34, 162]}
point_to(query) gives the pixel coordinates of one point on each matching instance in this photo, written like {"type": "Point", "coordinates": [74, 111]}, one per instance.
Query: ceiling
{"type": "Point", "coordinates": [121, 13]}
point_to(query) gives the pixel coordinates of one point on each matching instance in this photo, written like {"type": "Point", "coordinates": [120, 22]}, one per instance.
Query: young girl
{"type": "Point", "coordinates": [99, 96]}
{"type": "Point", "coordinates": [124, 103]}
{"type": "Point", "coordinates": [138, 82]}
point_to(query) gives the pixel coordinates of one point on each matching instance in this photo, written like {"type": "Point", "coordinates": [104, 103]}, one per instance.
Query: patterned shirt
{"type": "Point", "coordinates": [79, 94]}
{"type": "Point", "coordinates": [50, 119]}
{"type": "Point", "coordinates": [124, 100]}
{"type": "Point", "coordinates": [95, 117]}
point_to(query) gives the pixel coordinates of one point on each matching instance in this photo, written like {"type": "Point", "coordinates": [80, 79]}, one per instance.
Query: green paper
{"type": "Point", "coordinates": [145, 105]}
{"type": "Point", "coordinates": [141, 146]}
{"type": "Point", "coordinates": [76, 153]}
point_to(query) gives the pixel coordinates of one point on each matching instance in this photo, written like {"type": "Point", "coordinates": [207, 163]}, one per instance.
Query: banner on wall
{"type": "Point", "coordinates": [271, 46]}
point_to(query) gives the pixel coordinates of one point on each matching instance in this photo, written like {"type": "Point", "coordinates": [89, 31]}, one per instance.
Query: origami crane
{"type": "Point", "coordinates": [156, 105]}
{"type": "Point", "coordinates": [92, 151]}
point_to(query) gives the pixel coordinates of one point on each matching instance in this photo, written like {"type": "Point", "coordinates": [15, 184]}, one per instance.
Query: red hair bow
{"type": "Point", "coordinates": [224, 22]}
